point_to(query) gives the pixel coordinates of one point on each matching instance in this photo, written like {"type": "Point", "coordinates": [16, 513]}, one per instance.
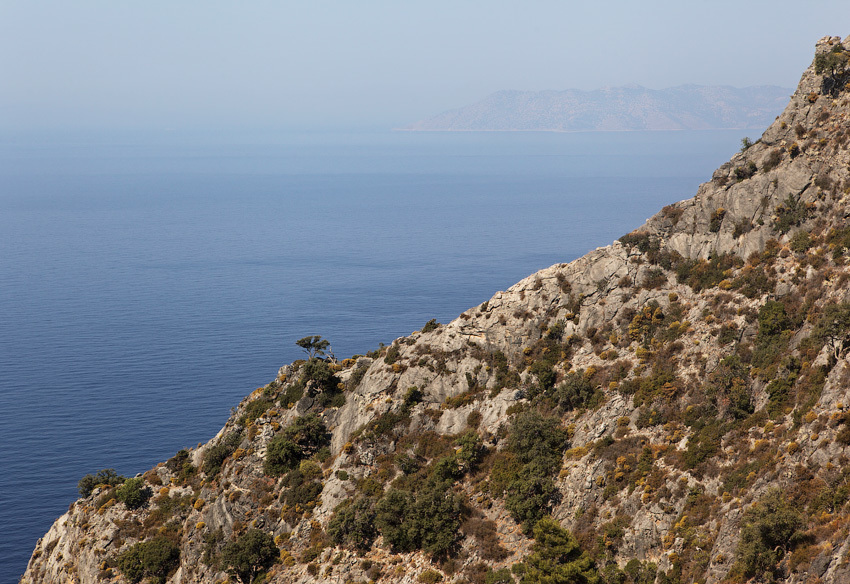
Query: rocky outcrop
{"type": "Point", "coordinates": [677, 378]}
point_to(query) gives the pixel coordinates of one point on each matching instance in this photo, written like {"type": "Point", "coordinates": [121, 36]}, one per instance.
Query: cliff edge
{"type": "Point", "coordinates": [672, 408]}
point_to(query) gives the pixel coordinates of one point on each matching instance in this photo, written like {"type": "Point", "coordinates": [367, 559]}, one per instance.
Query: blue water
{"type": "Point", "coordinates": [147, 284]}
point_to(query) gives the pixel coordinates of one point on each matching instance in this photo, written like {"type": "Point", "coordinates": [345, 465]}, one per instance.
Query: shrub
{"type": "Point", "coordinates": [431, 325]}
{"type": "Point", "coordinates": [428, 520]}
{"type": "Point", "coordinates": [254, 410]}
{"type": "Point", "coordinates": [745, 172]}
{"type": "Point", "coordinates": [106, 477]}
{"type": "Point", "coordinates": [556, 557]}
{"type": "Point", "coordinates": [301, 489]}
{"type": "Point", "coordinates": [728, 388]}
{"type": "Point", "coordinates": [430, 577]}
{"type": "Point", "coordinates": [655, 278]}
{"type": "Point", "coordinates": [353, 524]}
{"type": "Point", "coordinates": [155, 559]}
{"type": "Point", "coordinates": [390, 518]}
{"type": "Point", "coordinates": [742, 226]}
{"type": "Point", "coordinates": [772, 160]}
{"type": "Point", "coordinates": [833, 327]}
{"type": "Point", "coordinates": [576, 392]}
{"type": "Point", "coordinates": [772, 319]}
{"type": "Point", "coordinates": [251, 553]}
{"type": "Point", "coordinates": [357, 377]}
{"type": "Point", "coordinates": [392, 355]}
{"type": "Point", "coordinates": [133, 493]}
{"type": "Point", "coordinates": [523, 476]}
{"type": "Point", "coordinates": [545, 374]}
{"type": "Point", "coordinates": [701, 274]}
{"type": "Point", "coordinates": [716, 219]}
{"type": "Point", "coordinates": [801, 242]}
{"type": "Point", "coordinates": [832, 65]}
{"type": "Point", "coordinates": [214, 457]}
{"type": "Point", "coordinates": [298, 441]}
{"type": "Point", "coordinates": [790, 213]}
{"type": "Point", "coordinates": [768, 530]}
{"type": "Point", "coordinates": [641, 240]}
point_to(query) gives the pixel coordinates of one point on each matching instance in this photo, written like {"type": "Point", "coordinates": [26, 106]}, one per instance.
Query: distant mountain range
{"type": "Point", "coordinates": [617, 109]}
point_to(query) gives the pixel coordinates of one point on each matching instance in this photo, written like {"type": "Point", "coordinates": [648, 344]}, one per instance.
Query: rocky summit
{"type": "Point", "coordinates": [672, 408]}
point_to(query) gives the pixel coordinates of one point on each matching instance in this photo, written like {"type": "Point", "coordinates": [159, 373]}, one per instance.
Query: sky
{"type": "Point", "coordinates": [170, 65]}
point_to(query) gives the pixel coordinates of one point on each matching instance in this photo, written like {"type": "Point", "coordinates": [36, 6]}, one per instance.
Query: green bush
{"type": "Point", "coordinates": [772, 160]}
{"type": "Point", "coordinates": [106, 477]}
{"type": "Point", "coordinates": [133, 493]}
{"type": "Point", "coordinates": [833, 327]}
{"type": "Point", "coordinates": [700, 274]}
{"type": "Point", "coordinates": [428, 520]}
{"type": "Point", "coordinates": [790, 213]}
{"type": "Point", "coordinates": [391, 518]}
{"type": "Point", "coordinates": [576, 391]}
{"type": "Point", "coordinates": [155, 559]}
{"type": "Point", "coordinates": [833, 65]}
{"type": "Point", "coordinates": [745, 172]}
{"type": "Point", "coordinates": [545, 374]}
{"type": "Point", "coordinates": [392, 355]}
{"type": "Point", "coordinates": [215, 456]}
{"type": "Point", "coordinates": [716, 220]}
{"type": "Point", "coordinates": [301, 489]}
{"type": "Point", "coordinates": [181, 465]}
{"type": "Point", "coordinates": [773, 319]}
{"type": "Point", "coordinates": [524, 475]}
{"type": "Point", "coordinates": [557, 558]}
{"type": "Point", "coordinates": [430, 577]}
{"type": "Point", "coordinates": [353, 524]}
{"type": "Point", "coordinates": [298, 441]}
{"type": "Point", "coordinates": [768, 530]}
{"type": "Point", "coordinates": [254, 410]}
{"type": "Point", "coordinates": [251, 553]}
{"type": "Point", "coordinates": [728, 387]}
{"type": "Point", "coordinates": [431, 325]}
{"type": "Point", "coordinates": [356, 377]}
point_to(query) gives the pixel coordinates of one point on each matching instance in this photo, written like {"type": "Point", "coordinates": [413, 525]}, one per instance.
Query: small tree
{"type": "Point", "coordinates": [300, 440]}
{"type": "Point", "coordinates": [833, 327]}
{"type": "Point", "coordinates": [557, 558]}
{"type": "Point", "coordinates": [106, 477]}
{"type": "Point", "coordinates": [251, 553]}
{"type": "Point", "coordinates": [314, 346]}
{"type": "Point", "coordinates": [833, 66]}
{"type": "Point", "coordinates": [353, 524]}
{"type": "Point", "coordinates": [154, 559]}
{"type": "Point", "coordinates": [133, 493]}
{"type": "Point", "coordinates": [768, 529]}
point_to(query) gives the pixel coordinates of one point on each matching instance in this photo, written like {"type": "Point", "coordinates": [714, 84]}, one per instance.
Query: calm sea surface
{"type": "Point", "coordinates": [147, 285]}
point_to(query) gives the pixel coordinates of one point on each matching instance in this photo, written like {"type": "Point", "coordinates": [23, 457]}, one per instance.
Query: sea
{"type": "Point", "coordinates": [149, 282]}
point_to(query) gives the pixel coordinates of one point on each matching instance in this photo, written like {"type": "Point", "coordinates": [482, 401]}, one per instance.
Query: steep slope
{"type": "Point", "coordinates": [677, 402]}
{"type": "Point", "coordinates": [686, 107]}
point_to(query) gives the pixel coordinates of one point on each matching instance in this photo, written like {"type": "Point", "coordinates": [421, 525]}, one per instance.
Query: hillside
{"type": "Point", "coordinates": [672, 408]}
{"type": "Point", "coordinates": [686, 107]}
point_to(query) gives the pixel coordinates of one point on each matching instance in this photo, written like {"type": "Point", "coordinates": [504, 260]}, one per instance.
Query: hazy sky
{"type": "Point", "coordinates": [171, 64]}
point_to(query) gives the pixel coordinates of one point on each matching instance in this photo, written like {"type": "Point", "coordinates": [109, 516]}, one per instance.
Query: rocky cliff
{"type": "Point", "coordinates": [672, 408]}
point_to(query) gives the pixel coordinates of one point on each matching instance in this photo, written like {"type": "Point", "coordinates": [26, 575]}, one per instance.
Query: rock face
{"type": "Point", "coordinates": [687, 107]}
{"type": "Point", "coordinates": [677, 401]}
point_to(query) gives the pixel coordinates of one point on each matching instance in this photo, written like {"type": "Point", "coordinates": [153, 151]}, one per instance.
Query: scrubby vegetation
{"type": "Point", "coordinates": [154, 559]}
{"type": "Point", "coordinates": [652, 398]}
